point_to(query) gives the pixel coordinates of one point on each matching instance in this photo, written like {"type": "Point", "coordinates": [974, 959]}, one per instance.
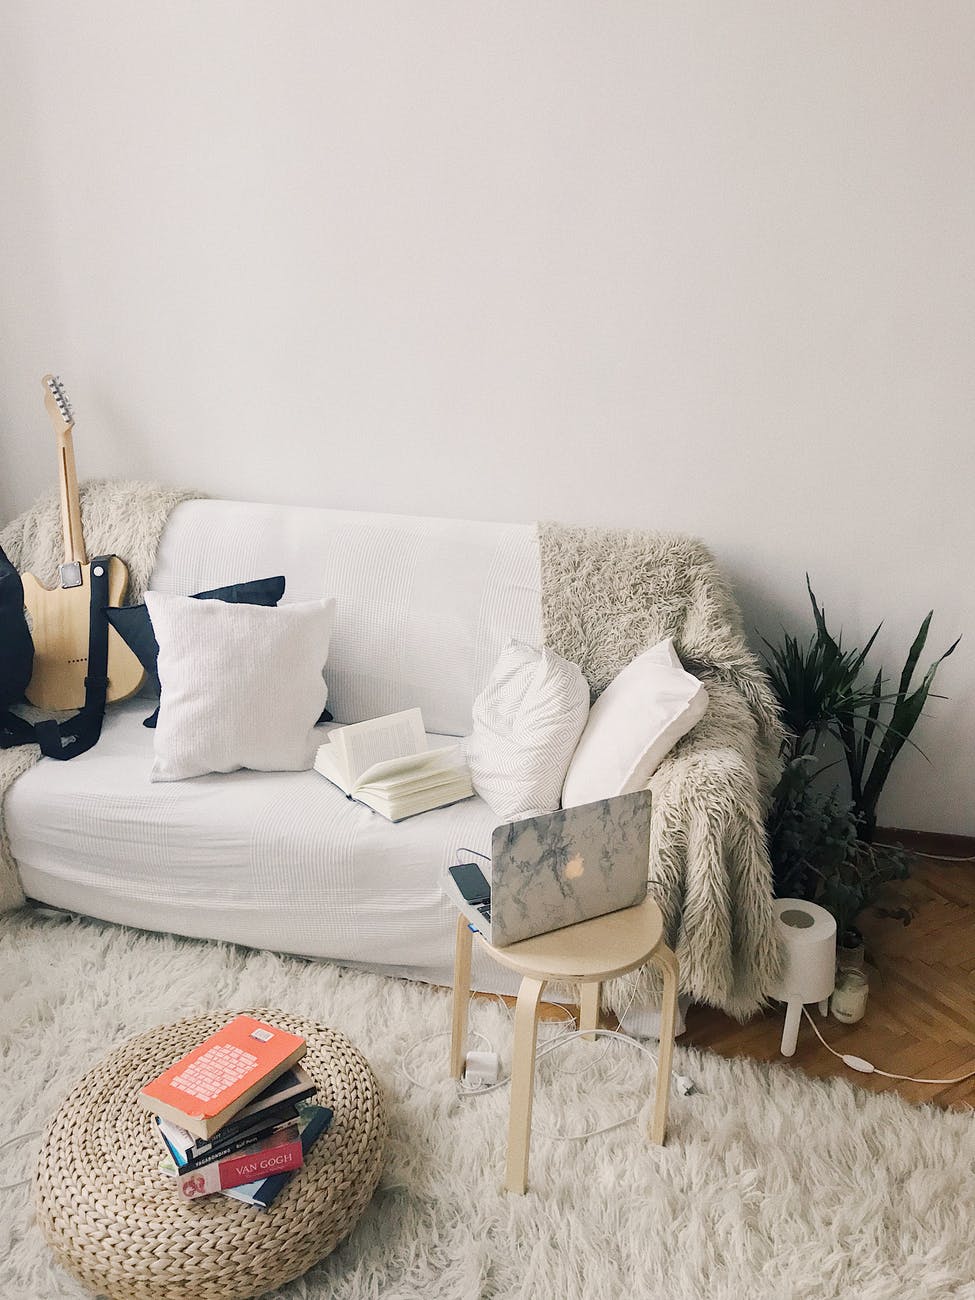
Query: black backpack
{"type": "Point", "coordinates": [56, 739]}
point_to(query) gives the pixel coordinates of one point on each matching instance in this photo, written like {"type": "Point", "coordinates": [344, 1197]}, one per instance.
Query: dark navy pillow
{"type": "Point", "coordinates": [134, 626]}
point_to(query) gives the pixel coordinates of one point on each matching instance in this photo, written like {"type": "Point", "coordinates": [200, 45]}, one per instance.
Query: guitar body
{"type": "Point", "coordinates": [59, 625]}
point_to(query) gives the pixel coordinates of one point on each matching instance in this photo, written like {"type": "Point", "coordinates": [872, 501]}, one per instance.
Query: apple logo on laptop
{"type": "Point", "coordinates": [574, 867]}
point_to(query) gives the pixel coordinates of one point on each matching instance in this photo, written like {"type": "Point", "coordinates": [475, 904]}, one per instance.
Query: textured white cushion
{"type": "Point", "coordinates": [242, 685]}
{"type": "Point", "coordinates": [633, 725]}
{"type": "Point", "coordinates": [527, 722]}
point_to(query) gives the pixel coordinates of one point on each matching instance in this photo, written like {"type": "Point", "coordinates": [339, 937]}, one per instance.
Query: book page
{"type": "Point", "coordinates": [364, 744]}
{"type": "Point", "coordinates": [328, 764]}
{"type": "Point", "coordinates": [392, 772]}
{"type": "Point", "coordinates": [427, 795]}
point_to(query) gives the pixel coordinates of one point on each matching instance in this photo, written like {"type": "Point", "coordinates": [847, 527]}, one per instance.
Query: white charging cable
{"type": "Point", "coordinates": [932, 857]}
{"type": "Point", "coordinates": [21, 1137]}
{"type": "Point", "coordinates": [866, 1067]}
{"type": "Point", "coordinates": [556, 1041]}
{"type": "Point", "coordinates": [683, 1085]}
{"type": "Point", "coordinates": [680, 1083]}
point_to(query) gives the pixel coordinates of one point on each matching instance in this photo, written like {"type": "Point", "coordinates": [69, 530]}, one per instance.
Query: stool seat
{"type": "Point", "coordinates": [600, 949]}
{"type": "Point", "coordinates": [585, 954]}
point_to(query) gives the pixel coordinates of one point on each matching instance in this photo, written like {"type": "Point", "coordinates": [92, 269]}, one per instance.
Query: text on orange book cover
{"type": "Point", "coordinates": [224, 1067]}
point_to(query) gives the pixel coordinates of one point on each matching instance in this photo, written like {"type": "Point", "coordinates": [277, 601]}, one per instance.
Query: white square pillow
{"type": "Point", "coordinates": [634, 724]}
{"type": "Point", "coordinates": [242, 685]}
{"type": "Point", "coordinates": [527, 721]}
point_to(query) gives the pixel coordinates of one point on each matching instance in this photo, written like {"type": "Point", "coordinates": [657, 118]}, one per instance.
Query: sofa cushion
{"type": "Point", "coordinates": [527, 722]}
{"type": "Point", "coordinates": [424, 606]}
{"type": "Point", "coordinates": [134, 626]}
{"type": "Point", "coordinates": [633, 725]}
{"type": "Point", "coordinates": [241, 685]}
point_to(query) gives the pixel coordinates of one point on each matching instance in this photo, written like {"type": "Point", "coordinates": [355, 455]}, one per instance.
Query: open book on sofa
{"type": "Point", "coordinates": [385, 763]}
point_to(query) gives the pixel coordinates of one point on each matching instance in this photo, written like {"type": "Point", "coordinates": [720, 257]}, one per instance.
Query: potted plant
{"type": "Point", "coordinates": [871, 741]}
{"type": "Point", "coordinates": [822, 846]}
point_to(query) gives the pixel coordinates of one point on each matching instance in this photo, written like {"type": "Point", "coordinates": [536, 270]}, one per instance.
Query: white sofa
{"type": "Point", "coordinates": [424, 606]}
{"type": "Point", "coordinates": [282, 860]}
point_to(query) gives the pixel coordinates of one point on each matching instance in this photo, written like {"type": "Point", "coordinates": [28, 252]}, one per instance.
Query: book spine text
{"type": "Point", "coordinates": [238, 1170]}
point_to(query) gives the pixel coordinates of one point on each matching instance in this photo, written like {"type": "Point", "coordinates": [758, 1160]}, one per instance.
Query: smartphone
{"type": "Point", "coordinates": [469, 879]}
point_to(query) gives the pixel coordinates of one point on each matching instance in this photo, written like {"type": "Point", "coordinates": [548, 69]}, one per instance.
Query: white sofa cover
{"type": "Point", "coordinates": [282, 860]}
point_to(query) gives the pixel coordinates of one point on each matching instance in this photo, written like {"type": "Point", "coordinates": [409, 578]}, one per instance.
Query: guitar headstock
{"type": "Point", "coordinates": [58, 406]}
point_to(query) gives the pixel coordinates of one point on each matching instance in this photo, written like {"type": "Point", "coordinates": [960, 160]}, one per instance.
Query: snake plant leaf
{"type": "Point", "coordinates": [907, 710]}
{"type": "Point", "coordinates": [872, 718]}
{"type": "Point", "coordinates": [853, 660]}
{"type": "Point", "coordinates": [914, 654]}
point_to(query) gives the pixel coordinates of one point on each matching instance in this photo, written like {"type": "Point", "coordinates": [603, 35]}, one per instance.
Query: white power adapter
{"type": "Point", "coordinates": [481, 1069]}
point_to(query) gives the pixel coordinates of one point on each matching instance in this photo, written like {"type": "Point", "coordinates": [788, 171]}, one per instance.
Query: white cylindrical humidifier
{"type": "Point", "coordinates": [808, 935]}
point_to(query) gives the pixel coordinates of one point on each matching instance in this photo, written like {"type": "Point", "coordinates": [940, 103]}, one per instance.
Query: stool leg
{"type": "Point", "coordinates": [462, 998]}
{"type": "Point", "coordinates": [667, 963]}
{"type": "Point", "coordinates": [790, 1030]}
{"type": "Point", "coordinates": [522, 1083]}
{"type": "Point", "coordinates": [589, 1009]}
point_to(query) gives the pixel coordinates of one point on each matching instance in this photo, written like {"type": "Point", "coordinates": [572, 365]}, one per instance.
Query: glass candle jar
{"type": "Point", "coordinates": [849, 1000]}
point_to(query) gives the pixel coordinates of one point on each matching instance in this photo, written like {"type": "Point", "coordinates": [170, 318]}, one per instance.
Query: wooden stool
{"type": "Point", "coordinates": [584, 954]}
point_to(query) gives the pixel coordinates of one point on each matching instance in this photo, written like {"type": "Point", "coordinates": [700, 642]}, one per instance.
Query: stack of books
{"type": "Point", "coordinates": [235, 1114]}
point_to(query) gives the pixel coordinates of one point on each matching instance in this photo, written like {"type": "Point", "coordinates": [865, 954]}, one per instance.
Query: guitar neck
{"type": "Point", "coordinates": [74, 541]}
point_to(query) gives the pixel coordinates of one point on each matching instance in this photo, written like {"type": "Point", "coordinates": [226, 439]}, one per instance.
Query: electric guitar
{"type": "Point", "coordinates": [60, 617]}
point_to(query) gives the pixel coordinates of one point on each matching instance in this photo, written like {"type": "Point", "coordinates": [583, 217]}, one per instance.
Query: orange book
{"type": "Point", "coordinates": [212, 1083]}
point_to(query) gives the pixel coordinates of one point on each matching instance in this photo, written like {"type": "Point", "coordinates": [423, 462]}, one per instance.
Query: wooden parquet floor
{"type": "Point", "coordinates": [921, 1012]}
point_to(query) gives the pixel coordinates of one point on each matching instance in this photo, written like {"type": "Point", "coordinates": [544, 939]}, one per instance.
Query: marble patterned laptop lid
{"type": "Point", "coordinates": [560, 868]}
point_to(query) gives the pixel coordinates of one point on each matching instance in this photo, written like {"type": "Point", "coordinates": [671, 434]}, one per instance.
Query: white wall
{"type": "Point", "coordinates": [705, 266]}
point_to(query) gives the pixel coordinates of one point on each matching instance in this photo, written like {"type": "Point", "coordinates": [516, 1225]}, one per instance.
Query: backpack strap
{"type": "Point", "coordinates": [63, 740]}
{"type": "Point", "coordinates": [15, 730]}
{"type": "Point", "coordinates": [16, 655]}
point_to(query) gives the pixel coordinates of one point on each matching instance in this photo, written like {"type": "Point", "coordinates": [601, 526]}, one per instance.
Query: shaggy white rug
{"type": "Point", "coordinates": [771, 1184]}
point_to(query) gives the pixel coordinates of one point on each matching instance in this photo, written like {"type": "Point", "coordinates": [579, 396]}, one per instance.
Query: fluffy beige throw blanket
{"type": "Point", "coordinates": [709, 865]}
{"type": "Point", "coordinates": [118, 518]}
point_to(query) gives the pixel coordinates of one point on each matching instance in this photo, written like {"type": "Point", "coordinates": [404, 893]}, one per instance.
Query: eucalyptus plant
{"type": "Point", "coordinates": [811, 832]}
{"type": "Point", "coordinates": [859, 881]}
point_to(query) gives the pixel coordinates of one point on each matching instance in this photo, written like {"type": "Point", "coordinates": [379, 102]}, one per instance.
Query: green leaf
{"type": "Point", "coordinates": [873, 713]}
{"type": "Point", "coordinates": [907, 710]}
{"type": "Point", "coordinates": [914, 654]}
{"type": "Point", "coordinates": [857, 663]}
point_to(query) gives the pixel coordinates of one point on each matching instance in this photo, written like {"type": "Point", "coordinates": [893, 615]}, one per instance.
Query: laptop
{"type": "Point", "coordinates": [557, 869]}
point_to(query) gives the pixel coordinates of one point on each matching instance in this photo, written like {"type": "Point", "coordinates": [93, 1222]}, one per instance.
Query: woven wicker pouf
{"type": "Point", "coordinates": [115, 1221]}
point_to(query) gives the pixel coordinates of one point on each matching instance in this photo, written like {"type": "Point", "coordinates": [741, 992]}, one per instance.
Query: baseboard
{"type": "Point", "coordinates": [949, 846]}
